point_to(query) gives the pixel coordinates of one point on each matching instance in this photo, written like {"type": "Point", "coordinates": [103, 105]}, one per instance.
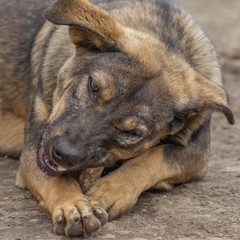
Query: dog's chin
{"type": "Point", "coordinates": [48, 166]}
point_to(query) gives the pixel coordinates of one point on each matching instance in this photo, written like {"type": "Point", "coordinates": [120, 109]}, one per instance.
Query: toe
{"type": "Point", "coordinates": [67, 221]}
{"type": "Point", "coordinates": [73, 226]}
{"type": "Point", "coordinates": [99, 212]}
{"type": "Point", "coordinates": [91, 224]}
{"type": "Point", "coordinates": [89, 221]}
{"type": "Point", "coordinates": [59, 222]}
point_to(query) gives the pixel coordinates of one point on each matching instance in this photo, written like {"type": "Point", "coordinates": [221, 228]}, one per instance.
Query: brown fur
{"type": "Point", "coordinates": [126, 87]}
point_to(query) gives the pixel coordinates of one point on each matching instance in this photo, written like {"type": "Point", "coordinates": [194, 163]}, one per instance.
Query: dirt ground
{"type": "Point", "coordinates": [208, 209]}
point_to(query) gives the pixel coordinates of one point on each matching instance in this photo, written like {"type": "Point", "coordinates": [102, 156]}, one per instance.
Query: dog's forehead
{"type": "Point", "coordinates": [112, 62]}
{"type": "Point", "coordinates": [122, 70]}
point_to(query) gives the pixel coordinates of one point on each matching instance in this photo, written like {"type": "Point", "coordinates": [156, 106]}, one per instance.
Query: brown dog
{"type": "Point", "coordinates": [126, 83]}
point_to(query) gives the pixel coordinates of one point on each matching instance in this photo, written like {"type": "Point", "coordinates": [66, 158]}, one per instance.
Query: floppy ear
{"type": "Point", "coordinates": [203, 97]}
{"type": "Point", "coordinates": [209, 96]}
{"type": "Point", "coordinates": [89, 25]}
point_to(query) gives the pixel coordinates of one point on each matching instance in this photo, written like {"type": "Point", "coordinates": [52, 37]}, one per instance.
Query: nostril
{"type": "Point", "coordinates": [56, 154]}
{"type": "Point", "coordinates": [63, 152]}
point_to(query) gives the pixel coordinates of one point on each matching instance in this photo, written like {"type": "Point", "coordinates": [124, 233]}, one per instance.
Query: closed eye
{"type": "Point", "coordinates": [133, 132]}
{"type": "Point", "coordinates": [129, 137]}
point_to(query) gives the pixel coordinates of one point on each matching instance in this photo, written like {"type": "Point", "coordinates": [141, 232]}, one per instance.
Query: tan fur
{"type": "Point", "coordinates": [70, 200]}
{"type": "Point", "coordinates": [138, 175]}
{"type": "Point", "coordinates": [134, 177]}
{"type": "Point", "coordinates": [136, 44]}
{"type": "Point", "coordinates": [41, 110]}
{"type": "Point", "coordinates": [57, 110]}
{"type": "Point", "coordinates": [205, 58]}
{"type": "Point", "coordinates": [79, 13]}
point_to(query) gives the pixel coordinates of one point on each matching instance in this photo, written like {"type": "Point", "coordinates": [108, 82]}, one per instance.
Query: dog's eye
{"type": "Point", "coordinates": [133, 133]}
{"type": "Point", "coordinates": [129, 137]}
{"type": "Point", "coordinates": [93, 86]}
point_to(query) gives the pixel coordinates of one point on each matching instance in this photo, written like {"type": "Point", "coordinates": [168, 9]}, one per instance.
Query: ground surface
{"type": "Point", "coordinates": [209, 209]}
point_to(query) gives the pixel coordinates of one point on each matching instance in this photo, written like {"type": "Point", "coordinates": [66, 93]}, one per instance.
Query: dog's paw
{"type": "Point", "coordinates": [114, 196]}
{"type": "Point", "coordinates": [78, 216]}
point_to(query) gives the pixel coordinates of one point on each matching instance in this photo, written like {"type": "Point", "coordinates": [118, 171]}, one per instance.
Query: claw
{"type": "Point", "coordinates": [59, 226]}
{"type": "Point", "coordinates": [91, 224]}
{"type": "Point", "coordinates": [60, 220]}
{"type": "Point", "coordinates": [75, 216]}
{"type": "Point", "coordinates": [102, 215]}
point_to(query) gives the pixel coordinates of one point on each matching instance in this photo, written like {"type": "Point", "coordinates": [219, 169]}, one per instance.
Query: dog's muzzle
{"type": "Point", "coordinates": [47, 165]}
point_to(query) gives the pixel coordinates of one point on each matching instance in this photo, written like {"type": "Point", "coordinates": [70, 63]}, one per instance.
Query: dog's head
{"type": "Point", "coordinates": [119, 94]}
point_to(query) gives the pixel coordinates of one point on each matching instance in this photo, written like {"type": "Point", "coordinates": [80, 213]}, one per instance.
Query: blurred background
{"type": "Point", "coordinates": [221, 20]}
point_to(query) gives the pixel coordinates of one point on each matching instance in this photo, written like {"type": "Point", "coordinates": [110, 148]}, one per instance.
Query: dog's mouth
{"type": "Point", "coordinates": [47, 165]}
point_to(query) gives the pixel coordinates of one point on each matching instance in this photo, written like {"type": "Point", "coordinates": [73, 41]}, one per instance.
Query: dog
{"type": "Point", "coordinates": [122, 85]}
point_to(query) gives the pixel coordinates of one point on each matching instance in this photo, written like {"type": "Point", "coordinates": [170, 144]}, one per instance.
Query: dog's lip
{"type": "Point", "coordinates": [46, 165]}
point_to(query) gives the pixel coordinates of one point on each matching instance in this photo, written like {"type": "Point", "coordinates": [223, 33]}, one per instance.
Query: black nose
{"type": "Point", "coordinates": [63, 152]}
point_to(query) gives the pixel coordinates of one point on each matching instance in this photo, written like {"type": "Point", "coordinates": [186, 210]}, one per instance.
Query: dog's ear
{"type": "Point", "coordinates": [202, 98]}
{"type": "Point", "coordinates": [207, 95]}
{"type": "Point", "coordinates": [89, 25]}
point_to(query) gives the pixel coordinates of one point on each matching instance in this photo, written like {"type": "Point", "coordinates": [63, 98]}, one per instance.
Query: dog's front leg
{"type": "Point", "coordinates": [72, 213]}
{"type": "Point", "coordinates": [119, 191]}
{"type": "Point", "coordinates": [159, 167]}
